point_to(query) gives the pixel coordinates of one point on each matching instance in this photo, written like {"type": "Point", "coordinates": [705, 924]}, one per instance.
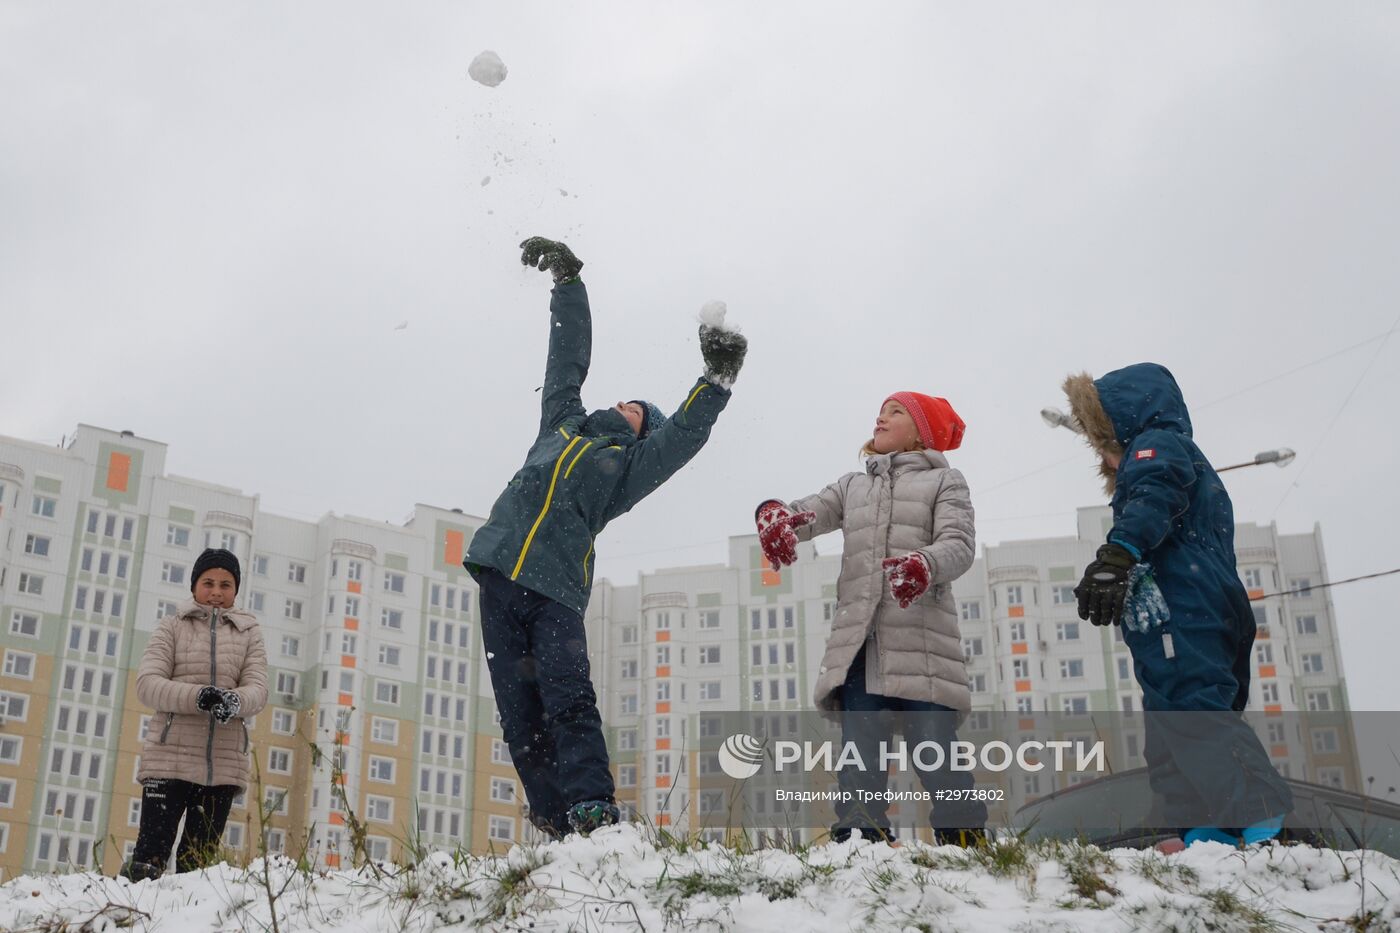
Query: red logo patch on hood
{"type": "Point", "coordinates": [1147, 454]}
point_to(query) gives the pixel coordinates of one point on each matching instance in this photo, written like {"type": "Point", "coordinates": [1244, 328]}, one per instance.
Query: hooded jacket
{"type": "Point", "coordinates": [583, 469]}
{"type": "Point", "coordinates": [903, 502]}
{"type": "Point", "coordinates": [196, 647]}
{"type": "Point", "coordinates": [1170, 509]}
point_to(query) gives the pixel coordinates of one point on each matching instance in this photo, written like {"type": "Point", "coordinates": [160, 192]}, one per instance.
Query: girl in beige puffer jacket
{"type": "Point", "coordinates": [894, 644]}
{"type": "Point", "coordinates": [203, 672]}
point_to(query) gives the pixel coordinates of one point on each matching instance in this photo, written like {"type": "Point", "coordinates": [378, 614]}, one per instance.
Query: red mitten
{"type": "Point", "coordinates": [775, 531]}
{"type": "Point", "coordinates": [909, 577]}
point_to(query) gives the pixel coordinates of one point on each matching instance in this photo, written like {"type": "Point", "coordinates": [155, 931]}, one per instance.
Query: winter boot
{"type": "Point", "coordinates": [1262, 831]}
{"type": "Point", "coordinates": [1209, 834]}
{"type": "Point", "coordinates": [588, 815]}
{"type": "Point", "coordinates": [972, 838]}
{"type": "Point", "coordinates": [134, 871]}
{"type": "Point", "coordinates": [870, 833]}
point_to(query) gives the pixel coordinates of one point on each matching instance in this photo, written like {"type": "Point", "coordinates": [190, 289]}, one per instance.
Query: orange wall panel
{"type": "Point", "coordinates": [118, 471]}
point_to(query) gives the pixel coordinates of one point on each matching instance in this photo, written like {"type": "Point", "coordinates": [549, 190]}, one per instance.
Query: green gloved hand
{"type": "Point", "coordinates": [551, 256]}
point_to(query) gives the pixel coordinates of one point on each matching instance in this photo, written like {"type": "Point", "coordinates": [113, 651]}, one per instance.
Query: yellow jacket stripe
{"type": "Point", "coordinates": [698, 390]}
{"type": "Point", "coordinates": [524, 549]}
{"type": "Point", "coordinates": [575, 460]}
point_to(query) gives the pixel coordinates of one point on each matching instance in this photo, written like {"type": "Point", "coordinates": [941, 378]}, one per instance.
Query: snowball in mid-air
{"type": "Point", "coordinates": [712, 315]}
{"type": "Point", "coordinates": [487, 68]}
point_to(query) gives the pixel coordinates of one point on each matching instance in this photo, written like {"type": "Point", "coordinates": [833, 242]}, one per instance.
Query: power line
{"type": "Point", "coordinates": [1323, 586]}
{"type": "Point", "coordinates": [1312, 454]}
{"type": "Point", "coordinates": [1297, 369]}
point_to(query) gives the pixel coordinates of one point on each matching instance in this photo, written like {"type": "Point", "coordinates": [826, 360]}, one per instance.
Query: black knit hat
{"type": "Point", "coordinates": [216, 557]}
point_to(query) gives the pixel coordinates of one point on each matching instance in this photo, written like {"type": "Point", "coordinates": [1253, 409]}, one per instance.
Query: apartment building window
{"type": "Point", "coordinates": [10, 748]}
{"type": "Point", "coordinates": [38, 545]}
{"type": "Point", "coordinates": [25, 624]}
{"type": "Point", "coordinates": [279, 761]}
{"type": "Point", "coordinates": [1020, 668]}
{"type": "Point", "coordinates": [393, 582]}
{"type": "Point", "coordinates": [756, 691]}
{"type": "Point", "coordinates": [1013, 595]}
{"type": "Point", "coordinates": [44, 507]}
{"type": "Point", "coordinates": [500, 752]}
{"type": "Point", "coordinates": [1075, 706]}
{"type": "Point", "coordinates": [627, 704]}
{"type": "Point", "coordinates": [970, 610]}
{"type": "Point", "coordinates": [172, 573]}
{"type": "Point", "coordinates": [14, 706]}
{"type": "Point", "coordinates": [384, 731]}
{"type": "Point", "coordinates": [663, 691]}
{"type": "Point", "coordinates": [1253, 578]}
{"type": "Point", "coordinates": [500, 828]}
{"type": "Point", "coordinates": [391, 619]}
{"type": "Point", "coordinates": [381, 770]}
{"type": "Point", "coordinates": [1269, 692]}
{"type": "Point", "coordinates": [1016, 631]}
{"type": "Point", "coordinates": [354, 570]}
{"type": "Point", "coordinates": [292, 609]}
{"type": "Point", "coordinates": [287, 683]}
{"type": "Point", "coordinates": [1312, 663]}
{"type": "Point", "coordinates": [709, 618]}
{"type": "Point", "coordinates": [972, 648]}
{"type": "Point", "coordinates": [283, 722]}
{"type": "Point", "coordinates": [790, 688]}
{"type": "Point", "coordinates": [1324, 741]}
{"type": "Point", "coordinates": [629, 670]}
{"type": "Point", "coordinates": [19, 664]}
{"type": "Point", "coordinates": [1072, 668]}
{"type": "Point", "coordinates": [291, 646]}
{"type": "Point", "coordinates": [1317, 701]}
{"type": "Point", "coordinates": [663, 654]}
{"type": "Point", "coordinates": [1307, 625]}
{"type": "Point", "coordinates": [348, 642]}
{"type": "Point", "coordinates": [1301, 586]}
{"type": "Point", "coordinates": [1123, 668]}
{"type": "Point", "coordinates": [352, 606]}
{"type": "Point", "coordinates": [627, 776]}
{"type": "Point", "coordinates": [31, 583]}
{"type": "Point", "coordinates": [389, 655]}
{"type": "Point", "coordinates": [1264, 652]}
{"type": "Point", "coordinates": [259, 565]}
{"type": "Point", "coordinates": [296, 572]}
{"type": "Point", "coordinates": [789, 617]}
{"type": "Point", "coordinates": [977, 683]}
{"type": "Point", "coordinates": [379, 809]}
{"type": "Point", "coordinates": [1067, 631]}
{"type": "Point", "coordinates": [1063, 594]}
{"type": "Point", "coordinates": [629, 634]}
{"type": "Point", "coordinates": [627, 740]}
{"type": "Point", "coordinates": [502, 790]}
{"type": "Point", "coordinates": [711, 689]}
{"type": "Point", "coordinates": [756, 620]}
{"type": "Point", "coordinates": [177, 536]}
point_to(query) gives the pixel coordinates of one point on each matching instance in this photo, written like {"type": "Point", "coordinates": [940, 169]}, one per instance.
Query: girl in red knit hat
{"type": "Point", "coordinates": [894, 643]}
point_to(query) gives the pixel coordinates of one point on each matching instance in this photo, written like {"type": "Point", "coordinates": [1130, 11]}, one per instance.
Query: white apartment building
{"type": "Point", "coordinates": [377, 678]}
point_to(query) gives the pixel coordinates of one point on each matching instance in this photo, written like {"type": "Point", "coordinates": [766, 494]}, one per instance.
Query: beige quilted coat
{"type": "Point", "coordinates": [902, 502]}
{"type": "Point", "coordinates": [185, 654]}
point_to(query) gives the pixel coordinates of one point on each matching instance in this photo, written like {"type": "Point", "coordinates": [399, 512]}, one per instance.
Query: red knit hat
{"type": "Point", "coordinates": [939, 426]}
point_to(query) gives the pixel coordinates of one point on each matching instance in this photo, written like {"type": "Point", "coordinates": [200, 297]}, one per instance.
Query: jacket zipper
{"type": "Point", "coordinates": [213, 661]}
{"type": "Point", "coordinates": [169, 719]}
{"type": "Point", "coordinates": [548, 497]}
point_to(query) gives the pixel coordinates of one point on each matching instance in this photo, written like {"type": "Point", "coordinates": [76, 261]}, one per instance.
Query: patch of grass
{"type": "Point", "coordinates": [1085, 866]}
{"type": "Point", "coordinates": [1166, 872]}
{"type": "Point", "coordinates": [1228, 902]}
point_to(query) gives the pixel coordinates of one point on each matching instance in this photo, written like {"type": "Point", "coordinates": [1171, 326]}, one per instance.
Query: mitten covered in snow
{"type": "Point", "coordinates": [775, 531]}
{"type": "Point", "coordinates": [723, 352]}
{"type": "Point", "coordinates": [908, 575]}
{"type": "Point", "coordinates": [207, 698]}
{"type": "Point", "coordinates": [228, 706]}
{"type": "Point", "coordinates": [1105, 585]}
{"type": "Point", "coordinates": [550, 255]}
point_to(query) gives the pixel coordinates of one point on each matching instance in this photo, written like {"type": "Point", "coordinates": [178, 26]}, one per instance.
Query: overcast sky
{"type": "Point", "coordinates": [213, 217]}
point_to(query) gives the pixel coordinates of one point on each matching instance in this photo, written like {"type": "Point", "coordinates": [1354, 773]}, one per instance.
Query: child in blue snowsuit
{"type": "Point", "coordinates": [533, 559]}
{"type": "Point", "coordinates": [1173, 522]}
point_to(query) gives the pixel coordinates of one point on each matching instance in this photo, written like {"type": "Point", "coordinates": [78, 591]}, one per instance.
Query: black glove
{"type": "Point", "coordinates": [723, 351]}
{"type": "Point", "coordinates": [228, 706]}
{"type": "Point", "coordinates": [553, 256]}
{"type": "Point", "coordinates": [208, 698]}
{"type": "Point", "coordinates": [1105, 585]}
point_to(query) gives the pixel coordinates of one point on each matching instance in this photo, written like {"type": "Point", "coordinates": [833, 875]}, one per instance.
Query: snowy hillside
{"type": "Point", "coordinates": [618, 880]}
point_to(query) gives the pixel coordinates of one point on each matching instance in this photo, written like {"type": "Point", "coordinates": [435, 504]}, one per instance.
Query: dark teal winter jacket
{"type": "Point", "coordinates": [584, 469]}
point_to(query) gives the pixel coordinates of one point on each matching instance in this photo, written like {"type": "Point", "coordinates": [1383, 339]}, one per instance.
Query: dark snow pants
{"type": "Point", "coordinates": [537, 654]}
{"type": "Point", "coordinates": [205, 809]}
{"type": "Point", "coordinates": [867, 720]}
{"type": "Point", "coordinates": [1205, 764]}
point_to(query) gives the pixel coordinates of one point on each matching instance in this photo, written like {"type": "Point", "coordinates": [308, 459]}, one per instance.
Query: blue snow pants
{"type": "Point", "coordinates": [537, 654]}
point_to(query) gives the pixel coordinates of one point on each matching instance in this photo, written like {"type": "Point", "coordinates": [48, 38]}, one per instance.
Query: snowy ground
{"type": "Point", "coordinates": [619, 880]}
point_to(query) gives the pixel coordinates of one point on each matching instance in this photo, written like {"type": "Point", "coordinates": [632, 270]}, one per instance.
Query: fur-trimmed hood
{"type": "Point", "coordinates": [1117, 407]}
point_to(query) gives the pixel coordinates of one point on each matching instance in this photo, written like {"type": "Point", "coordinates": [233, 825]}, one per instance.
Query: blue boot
{"type": "Point", "coordinates": [588, 815]}
{"type": "Point", "coordinates": [1263, 831]}
{"type": "Point", "coordinates": [1209, 834]}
